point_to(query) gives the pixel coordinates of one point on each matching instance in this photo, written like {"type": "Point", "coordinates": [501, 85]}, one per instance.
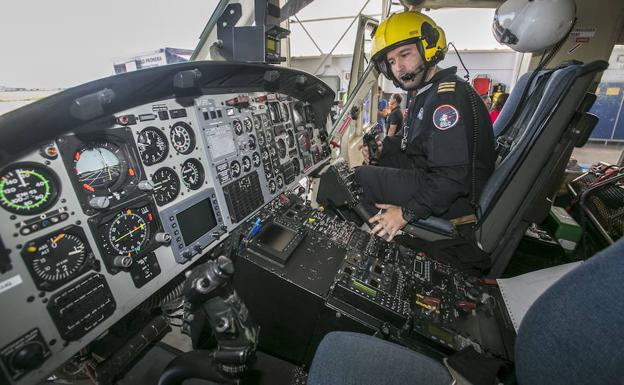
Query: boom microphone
{"type": "Point", "coordinates": [412, 75]}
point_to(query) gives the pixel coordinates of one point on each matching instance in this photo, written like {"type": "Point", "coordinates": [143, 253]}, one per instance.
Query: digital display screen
{"type": "Point", "coordinates": [221, 141]}
{"type": "Point", "coordinates": [271, 45]}
{"type": "Point", "coordinates": [196, 221]}
{"type": "Point", "coordinates": [439, 333]}
{"type": "Point", "coordinates": [276, 237]}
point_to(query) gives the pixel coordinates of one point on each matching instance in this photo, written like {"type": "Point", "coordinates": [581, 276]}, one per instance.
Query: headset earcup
{"type": "Point", "coordinates": [430, 35]}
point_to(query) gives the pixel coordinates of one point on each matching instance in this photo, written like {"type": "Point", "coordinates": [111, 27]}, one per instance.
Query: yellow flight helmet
{"type": "Point", "coordinates": [405, 28]}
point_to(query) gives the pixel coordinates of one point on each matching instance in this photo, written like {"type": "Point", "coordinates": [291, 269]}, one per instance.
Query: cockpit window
{"type": "Point", "coordinates": [43, 53]}
{"type": "Point", "coordinates": [606, 142]}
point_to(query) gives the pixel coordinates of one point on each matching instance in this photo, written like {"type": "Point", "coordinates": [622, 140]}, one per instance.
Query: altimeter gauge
{"type": "Point", "coordinates": [57, 258]}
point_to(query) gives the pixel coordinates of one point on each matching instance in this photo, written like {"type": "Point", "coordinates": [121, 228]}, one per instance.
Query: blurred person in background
{"type": "Point", "coordinates": [498, 106]}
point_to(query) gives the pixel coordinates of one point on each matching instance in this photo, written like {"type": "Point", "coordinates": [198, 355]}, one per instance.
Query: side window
{"type": "Point", "coordinates": [606, 143]}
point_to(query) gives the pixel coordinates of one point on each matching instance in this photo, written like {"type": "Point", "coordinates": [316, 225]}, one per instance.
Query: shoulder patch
{"type": "Point", "coordinates": [445, 117]}
{"type": "Point", "coordinates": [446, 87]}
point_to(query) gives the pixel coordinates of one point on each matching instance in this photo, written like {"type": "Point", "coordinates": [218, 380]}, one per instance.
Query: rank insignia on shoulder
{"type": "Point", "coordinates": [446, 87]}
{"type": "Point", "coordinates": [445, 117]}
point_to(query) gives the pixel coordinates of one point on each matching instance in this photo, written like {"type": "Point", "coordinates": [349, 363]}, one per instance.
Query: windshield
{"type": "Point", "coordinates": [61, 44]}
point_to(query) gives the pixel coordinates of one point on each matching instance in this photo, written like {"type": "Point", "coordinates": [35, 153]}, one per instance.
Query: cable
{"type": "Point", "coordinates": [475, 139]}
{"type": "Point", "coordinates": [467, 76]}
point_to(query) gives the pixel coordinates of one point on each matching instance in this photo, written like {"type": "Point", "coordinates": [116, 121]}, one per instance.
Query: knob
{"type": "Point", "coordinates": [123, 261]}
{"type": "Point", "coordinates": [99, 202]}
{"type": "Point", "coordinates": [197, 249]}
{"type": "Point", "coordinates": [225, 265]}
{"type": "Point", "coordinates": [146, 185]}
{"type": "Point", "coordinates": [29, 357]}
{"type": "Point", "coordinates": [186, 254]}
{"type": "Point", "coordinates": [163, 238]}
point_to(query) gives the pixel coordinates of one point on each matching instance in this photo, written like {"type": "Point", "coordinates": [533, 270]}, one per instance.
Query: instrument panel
{"type": "Point", "coordinates": [97, 214]}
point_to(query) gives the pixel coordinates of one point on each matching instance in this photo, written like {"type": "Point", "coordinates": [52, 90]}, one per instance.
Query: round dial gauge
{"type": "Point", "coordinates": [182, 138]}
{"type": "Point", "coordinates": [238, 127]}
{"type": "Point", "coordinates": [28, 188]}
{"type": "Point", "coordinates": [255, 157]}
{"type": "Point", "coordinates": [246, 164]}
{"type": "Point", "coordinates": [269, 136]}
{"type": "Point", "coordinates": [285, 112]}
{"type": "Point", "coordinates": [276, 165]}
{"type": "Point", "coordinates": [153, 146]}
{"type": "Point", "coordinates": [128, 233]}
{"type": "Point", "coordinates": [272, 187]}
{"type": "Point", "coordinates": [55, 258]}
{"type": "Point", "coordinates": [280, 181]}
{"type": "Point", "coordinates": [256, 122]}
{"type": "Point", "coordinates": [248, 124]}
{"type": "Point", "coordinates": [272, 151]}
{"type": "Point", "coordinates": [99, 165]}
{"type": "Point", "coordinates": [192, 174]}
{"type": "Point", "coordinates": [265, 155]}
{"type": "Point", "coordinates": [251, 142]}
{"type": "Point", "coordinates": [281, 148]}
{"type": "Point", "coordinates": [166, 185]}
{"type": "Point", "coordinates": [235, 167]}
{"type": "Point", "coordinates": [261, 139]}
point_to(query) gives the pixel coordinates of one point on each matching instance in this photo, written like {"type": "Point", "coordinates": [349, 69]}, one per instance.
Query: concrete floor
{"type": "Point", "coordinates": [594, 152]}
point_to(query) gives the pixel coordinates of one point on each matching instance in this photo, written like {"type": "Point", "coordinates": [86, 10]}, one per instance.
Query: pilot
{"type": "Point", "coordinates": [428, 167]}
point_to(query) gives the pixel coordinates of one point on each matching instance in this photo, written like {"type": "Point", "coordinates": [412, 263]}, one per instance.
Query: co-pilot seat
{"type": "Point", "coordinates": [521, 178]}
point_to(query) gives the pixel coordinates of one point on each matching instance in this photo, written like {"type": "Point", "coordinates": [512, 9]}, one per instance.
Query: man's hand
{"type": "Point", "coordinates": [366, 154]}
{"type": "Point", "coordinates": [389, 222]}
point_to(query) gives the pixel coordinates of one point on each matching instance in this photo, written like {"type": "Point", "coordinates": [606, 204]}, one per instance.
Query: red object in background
{"type": "Point", "coordinates": [483, 84]}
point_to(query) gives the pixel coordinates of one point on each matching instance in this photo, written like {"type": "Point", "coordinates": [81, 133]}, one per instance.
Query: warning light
{"type": "Point", "coordinates": [32, 249]}
{"type": "Point", "coordinates": [88, 187]}
{"type": "Point", "coordinates": [49, 151]}
{"type": "Point", "coordinates": [149, 217]}
{"type": "Point", "coordinates": [126, 120]}
{"type": "Point", "coordinates": [77, 156]}
{"type": "Point", "coordinates": [131, 171]}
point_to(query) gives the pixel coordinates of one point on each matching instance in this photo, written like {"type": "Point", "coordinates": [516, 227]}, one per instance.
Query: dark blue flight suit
{"type": "Point", "coordinates": [427, 166]}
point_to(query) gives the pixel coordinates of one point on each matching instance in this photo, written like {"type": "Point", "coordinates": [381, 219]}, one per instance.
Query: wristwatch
{"type": "Point", "coordinates": [408, 215]}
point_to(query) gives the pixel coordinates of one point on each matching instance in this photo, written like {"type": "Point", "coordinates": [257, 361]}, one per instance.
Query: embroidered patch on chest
{"type": "Point", "coordinates": [445, 117]}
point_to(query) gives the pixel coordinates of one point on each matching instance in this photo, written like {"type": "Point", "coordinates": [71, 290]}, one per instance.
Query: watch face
{"type": "Point", "coordinates": [408, 215]}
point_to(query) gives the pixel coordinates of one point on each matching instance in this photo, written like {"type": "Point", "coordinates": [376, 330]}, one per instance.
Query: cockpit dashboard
{"type": "Point", "coordinates": [110, 190]}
